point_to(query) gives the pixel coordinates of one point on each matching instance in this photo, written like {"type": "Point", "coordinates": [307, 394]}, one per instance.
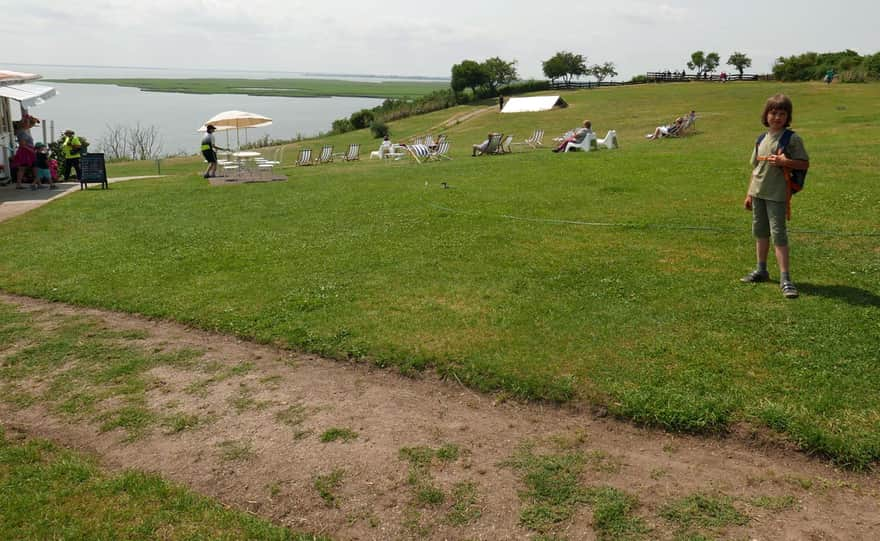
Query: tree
{"type": "Point", "coordinates": [130, 142]}
{"type": "Point", "coordinates": [602, 72]}
{"type": "Point", "coordinates": [565, 65]}
{"type": "Point", "coordinates": [468, 74]}
{"type": "Point", "coordinates": [703, 63]}
{"type": "Point", "coordinates": [500, 72]}
{"type": "Point", "coordinates": [712, 61]}
{"type": "Point", "coordinates": [739, 61]}
{"type": "Point", "coordinates": [698, 59]}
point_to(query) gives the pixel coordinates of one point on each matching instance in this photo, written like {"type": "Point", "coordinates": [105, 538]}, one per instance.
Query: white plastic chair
{"type": "Point", "coordinates": [609, 141]}
{"type": "Point", "coordinates": [589, 143]}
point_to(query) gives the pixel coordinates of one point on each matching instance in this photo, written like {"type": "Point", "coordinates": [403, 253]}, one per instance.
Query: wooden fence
{"type": "Point", "coordinates": [673, 77]}
{"type": "Point", "coordinates": [561, 85]}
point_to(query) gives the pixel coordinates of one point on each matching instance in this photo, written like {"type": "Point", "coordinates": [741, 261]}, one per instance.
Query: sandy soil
{"type": "Point", "coordinates": [374, 500]}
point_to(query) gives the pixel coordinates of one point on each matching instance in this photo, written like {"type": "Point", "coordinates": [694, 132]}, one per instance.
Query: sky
{"type": "Point", "coordinates": [426, 38]}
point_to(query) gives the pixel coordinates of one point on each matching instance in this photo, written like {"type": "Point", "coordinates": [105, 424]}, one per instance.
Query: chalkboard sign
{"type": "Point", "coordinates": [93, 170]}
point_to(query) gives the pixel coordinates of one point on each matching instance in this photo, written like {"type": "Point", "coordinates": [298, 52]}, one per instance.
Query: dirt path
{"type": "Point", "coordinates": [261, 450]}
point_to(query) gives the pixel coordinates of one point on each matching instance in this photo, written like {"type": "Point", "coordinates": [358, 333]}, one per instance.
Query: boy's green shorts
{"type": "Point", "coordinates": [768, 220]}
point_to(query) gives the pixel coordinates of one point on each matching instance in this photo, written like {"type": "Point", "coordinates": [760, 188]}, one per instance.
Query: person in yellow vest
{"type": "Point", "coordinates": [71, 147]}
{"type": "Point", "coordinates": [209, 151]}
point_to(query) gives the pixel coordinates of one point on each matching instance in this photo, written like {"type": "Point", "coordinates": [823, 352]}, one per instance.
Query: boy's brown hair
{"type": "Point", "coordinates": [779, 102]}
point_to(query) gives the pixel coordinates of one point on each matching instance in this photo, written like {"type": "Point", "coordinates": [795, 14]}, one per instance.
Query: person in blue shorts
{"type": "Point", "coordinates": [42, 167]}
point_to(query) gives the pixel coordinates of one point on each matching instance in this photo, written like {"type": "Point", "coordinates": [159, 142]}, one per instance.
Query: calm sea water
{"type": "Point", "coordinates": [90, 109]}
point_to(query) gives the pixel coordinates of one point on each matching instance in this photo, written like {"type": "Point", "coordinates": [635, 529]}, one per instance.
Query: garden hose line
{"type": "Point", "coordinates": [625, 225]}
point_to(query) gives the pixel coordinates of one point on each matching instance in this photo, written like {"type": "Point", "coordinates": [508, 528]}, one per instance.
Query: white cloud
{"type": "Point", "coordinates": [423, 38]}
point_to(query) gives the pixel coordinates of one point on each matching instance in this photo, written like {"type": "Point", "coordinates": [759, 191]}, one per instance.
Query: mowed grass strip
{"type": "Point", "coordinates": [50, 493]}
{"type": "Point", "coordinates": [610, 277]}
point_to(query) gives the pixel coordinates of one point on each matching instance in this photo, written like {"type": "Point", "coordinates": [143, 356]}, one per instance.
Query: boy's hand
{"type": "Point", "coordinates": [747, 204]}
{"type": "Point", "coordinates": [777, 159]}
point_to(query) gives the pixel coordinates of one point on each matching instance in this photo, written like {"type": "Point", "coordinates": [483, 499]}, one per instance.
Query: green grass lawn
{"type": "Point", "coordinates": [610, 277]}
{"type": "Point", "coordinates": [301, 88]}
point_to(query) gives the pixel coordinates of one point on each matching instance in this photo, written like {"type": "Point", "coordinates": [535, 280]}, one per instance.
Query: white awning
{"type": "Point", "coordinates": [28, 94]}
{"type": "Point", "coordinates": [533, 103]}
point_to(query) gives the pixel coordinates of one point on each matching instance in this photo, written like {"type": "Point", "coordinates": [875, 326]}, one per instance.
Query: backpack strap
{"type": "Point", "coordinates": [758, 142]}
{"type": "Point", "coordinates": [785, 139]}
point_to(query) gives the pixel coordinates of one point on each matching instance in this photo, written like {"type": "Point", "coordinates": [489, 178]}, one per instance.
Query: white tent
{"type": "Point", "coordinates": [532, 104]}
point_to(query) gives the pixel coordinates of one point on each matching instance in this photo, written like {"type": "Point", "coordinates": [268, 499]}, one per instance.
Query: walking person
{"type": "Point", "coordinates": [71, 147]}
{"type": "Point", "coordinates": [769, 192]}
{"type": "Point", "coordinates": [209, 151]}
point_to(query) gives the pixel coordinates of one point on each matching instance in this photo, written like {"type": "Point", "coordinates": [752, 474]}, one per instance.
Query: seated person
{"type": "Point", "coordinates": [481, 148]}
{"type": "Point", "coordinates": [664, 131]}
{"type": "Point", "coordinates": [385, 148]}
{"type": "Point", "coordinates": [577, 137]}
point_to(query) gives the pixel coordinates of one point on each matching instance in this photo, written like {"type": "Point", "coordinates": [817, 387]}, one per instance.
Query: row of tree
{"type": "Point", "coordinates": [703, 63]}
{"type": "Point", "coordinates": [566, 65]}
{"type": "Point", "coordinates": [849, 65]}
{"type": "Point", "coordinates": [487, 77]}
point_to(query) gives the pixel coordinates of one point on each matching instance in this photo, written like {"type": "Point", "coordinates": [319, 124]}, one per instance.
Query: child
{"type": "Point", "coordinates": [769, 193]}
{"type": "Point", "coordinates": [42, 167]}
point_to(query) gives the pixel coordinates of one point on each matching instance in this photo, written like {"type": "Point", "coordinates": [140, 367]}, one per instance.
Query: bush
{"type": "Point", "coordinates": [639, 79]}
{"type": "Point", "coordinates": [521, 87]}
{"type": "Point", "coordinates": [342, 125]}
{"type": "Point", "coordinates": [361, 119]}
{"type": "Point", "coordinates": [379, 129]}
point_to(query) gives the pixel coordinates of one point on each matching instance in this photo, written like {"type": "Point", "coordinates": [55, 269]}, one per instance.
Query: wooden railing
{"type": "Point", "coordinates": [559, 85]}
{"type": "Point", "coordinates": [672, 77]}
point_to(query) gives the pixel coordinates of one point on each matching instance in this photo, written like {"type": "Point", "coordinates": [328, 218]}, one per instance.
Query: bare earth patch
{"type": "Point", "coordinates": [354, 452]}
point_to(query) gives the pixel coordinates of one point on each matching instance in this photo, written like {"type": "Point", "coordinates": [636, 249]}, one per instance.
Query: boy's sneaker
{"type": "Point", "coordinates": [788, 290]}
{"type": "Point", "coordinates": [756, 276]}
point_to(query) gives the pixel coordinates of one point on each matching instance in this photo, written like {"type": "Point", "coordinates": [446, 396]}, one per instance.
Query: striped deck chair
{"type": "Point", "coordinates": [354, 152]}
{"type": "Point", "coordinates": [326, 155]}
{"type": "Point", "coordinates": [535, 141]}
{"type": "Point", "coordinates": [491, 145]}
{"type": "Point", "coordinates": [442, 151]}
{"type": "Point", "coordinates": [420, 153]}
{"type": "Point", "coordinates": [305, 157]}
{"type": "Point", "coordinates": [504, 146]}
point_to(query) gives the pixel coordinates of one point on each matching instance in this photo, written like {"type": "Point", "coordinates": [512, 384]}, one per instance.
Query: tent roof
{"type": "Point", "coordinates": [533, 103]}
{"type": "Point", "coordinates": [28, 94]}
{"type": "Point", "coordinates": [15, 77]}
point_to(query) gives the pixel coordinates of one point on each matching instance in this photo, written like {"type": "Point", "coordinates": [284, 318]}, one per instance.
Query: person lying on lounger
{"type": "Point", "coordinates": [666, 131]}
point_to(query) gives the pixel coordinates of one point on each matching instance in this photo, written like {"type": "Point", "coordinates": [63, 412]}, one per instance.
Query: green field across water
{"type": "Point", "coordinates": [607, 277]}
{"type": "Point", "coordinates": [292, 88]}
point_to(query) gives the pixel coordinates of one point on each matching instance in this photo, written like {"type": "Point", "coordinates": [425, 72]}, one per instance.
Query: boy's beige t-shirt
{"type": "Point", "coordinates": [768, 181]}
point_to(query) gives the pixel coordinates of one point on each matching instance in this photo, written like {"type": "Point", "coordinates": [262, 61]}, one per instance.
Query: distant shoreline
{"type": "Point", "coordinates": [287, 87]}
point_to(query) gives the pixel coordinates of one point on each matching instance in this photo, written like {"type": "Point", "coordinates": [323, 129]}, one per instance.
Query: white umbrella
{"type": "Point", "coordinates": [236, 120]}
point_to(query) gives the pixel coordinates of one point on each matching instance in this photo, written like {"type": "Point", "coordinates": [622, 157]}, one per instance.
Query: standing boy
{"type": "Point", "coordinates": [769, 193]}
